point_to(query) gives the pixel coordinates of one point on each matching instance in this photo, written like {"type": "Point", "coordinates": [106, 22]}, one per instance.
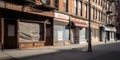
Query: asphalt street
{"type": "Point", "coordinates": [101, 51]}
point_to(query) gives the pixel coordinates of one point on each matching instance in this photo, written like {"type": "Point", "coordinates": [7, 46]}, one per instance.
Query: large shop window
{"type": "Point", "coordinates": [87, 34]}
{"type": "Point", "coordinates": [95, 33]}
{"type": "Point", "coordinates": [30, 31]}
{"type": "Point", "coordinates": [82, 35]}
{"type": "Point", "coordinates": [60, 33]}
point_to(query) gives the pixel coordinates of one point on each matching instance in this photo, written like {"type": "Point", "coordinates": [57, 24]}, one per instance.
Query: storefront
{"type": "Point", "coordinates": [79, 31]}
{"type": "Point", "coordinates": [35, 33]}
{"type": "Point", "coordinates": [95, 32]}
{"type": "Point", "coordinates": [107, 33]}
{"type": "Point", "coordinates": [61, 29]}
{"type": "Point", "coordinates": [24, 27]}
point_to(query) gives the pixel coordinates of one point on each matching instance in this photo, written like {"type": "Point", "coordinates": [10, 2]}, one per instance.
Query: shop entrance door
{"type": "Point", "coordinates": [10, 34]}
{"type": "Point", "coordinates": [49, 40]}
{"type": "Point", "coordinates": [76, 35]}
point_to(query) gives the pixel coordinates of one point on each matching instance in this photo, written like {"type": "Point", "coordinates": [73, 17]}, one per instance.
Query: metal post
{"type": "Point", "coordinates": [18, 28]}
{"type": "Point", "coordinates": [106, 23]}
{"type": "Point", "coordinates": [70, 30]}
{"type": "Point", "coordinates": [89, 41]}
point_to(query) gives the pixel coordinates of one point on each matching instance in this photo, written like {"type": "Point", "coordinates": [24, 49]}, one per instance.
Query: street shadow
{"type": "Point", "coordinates": [76, 54]}
{"type": "Point", "coordinates": [114, 55]}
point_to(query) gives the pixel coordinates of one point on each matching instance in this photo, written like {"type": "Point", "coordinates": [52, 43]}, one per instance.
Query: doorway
{"type": "Point", "coordinates": [108, 35]}
{"type": "Point", "coordinates": [10, 34]}
{"type": "Point", "coordinates": [49, 40]}
{"type": "Point", "coordinates": [75, 35]}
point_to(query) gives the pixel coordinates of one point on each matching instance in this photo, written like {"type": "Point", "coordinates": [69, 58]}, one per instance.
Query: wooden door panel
{"type": "Point", "coordinates": [49, 40]}
{"type": "Point", "coordinates": [10, 35]}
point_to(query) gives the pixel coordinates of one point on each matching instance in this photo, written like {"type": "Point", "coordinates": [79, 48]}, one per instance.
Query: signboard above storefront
{"type": "Point", "coordinates": [61, 16]}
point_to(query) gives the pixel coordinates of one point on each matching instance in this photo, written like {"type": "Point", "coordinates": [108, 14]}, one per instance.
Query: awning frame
{"type": "Point", "coordinates": [106, 28]}
{"type": "Point", "coordinates": [80, 24]}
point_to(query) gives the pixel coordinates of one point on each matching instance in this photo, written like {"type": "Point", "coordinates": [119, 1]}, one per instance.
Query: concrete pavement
{"type": "Point", "coordinates": [72, 52]}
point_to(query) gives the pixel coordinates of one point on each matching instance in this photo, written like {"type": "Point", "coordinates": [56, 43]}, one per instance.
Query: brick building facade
{"type": "Point", "coordinates": [30, 23]}
{"type": "Point", "coordinates": [117, 20]}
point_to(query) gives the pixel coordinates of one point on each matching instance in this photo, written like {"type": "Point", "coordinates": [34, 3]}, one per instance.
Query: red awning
{"type": "Point", "coordinates": [81, 24]}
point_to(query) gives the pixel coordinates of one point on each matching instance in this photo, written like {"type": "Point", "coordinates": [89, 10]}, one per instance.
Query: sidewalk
{"type": "Point", "coordinates": [44, 53]}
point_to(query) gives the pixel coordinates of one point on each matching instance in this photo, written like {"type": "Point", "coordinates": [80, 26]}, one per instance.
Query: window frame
{"type": "Point", "coordinates": [56, 5]}
{"type": "Point", "coordinates": [65, 5]}
{"type": "Point", "coordinates": [75, 7]}
{"type": "Point", "coordinates": [80, 8]}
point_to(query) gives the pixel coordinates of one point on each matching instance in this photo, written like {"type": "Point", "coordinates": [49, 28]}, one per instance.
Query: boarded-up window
{"type": "Point", "coordinates": [30, 31]}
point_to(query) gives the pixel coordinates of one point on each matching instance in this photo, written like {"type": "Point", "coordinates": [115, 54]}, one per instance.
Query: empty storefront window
{"type": "Point", "coordinates": [60, 33]}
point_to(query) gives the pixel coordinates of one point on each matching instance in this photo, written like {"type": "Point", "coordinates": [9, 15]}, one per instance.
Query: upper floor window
{"type": "Point", "coordinates": [56, 3]}
{"type": "Point", "coordinates": [92, 13]}
{"type": "Point", "coordinates": [95, 1]}
{"type": "Point", "coordinates": [110, 8]}
{"type": "Point", "coordinates": [80, 8]}
{"type": "Point", "coordinates": [107, 6]}
{"type": "Point", "coordinates": [85, 10]}
{"type": "Point", "coordinates": [65, 3]}
{"type": "Point", "coordinates": [99, 16]}
{"type": "Point", "coordinates": [103, 4]}
{"type": "Point", "coordinates": [106, 20]}
{"type": "Point", "coordinates": [96, 14]}
{"type": "Point", "coordinates": [47, 2]}
{"type": "Point", "coordinates": [75, 7]}
{"type": "Point", "coordinates": [99, 2]}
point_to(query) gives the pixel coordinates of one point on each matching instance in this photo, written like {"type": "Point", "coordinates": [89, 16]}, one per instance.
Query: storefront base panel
{"type": "Point", "coordinates": [59, 43]}
{"type": "Point", "coordinates": [95, 40]}
{"type": "Point", "coordinates": [31, 44]}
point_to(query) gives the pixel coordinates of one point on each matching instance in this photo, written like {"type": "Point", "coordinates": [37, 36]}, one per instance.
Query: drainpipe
{"type": "Point", "coordinates": [70, 29]}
